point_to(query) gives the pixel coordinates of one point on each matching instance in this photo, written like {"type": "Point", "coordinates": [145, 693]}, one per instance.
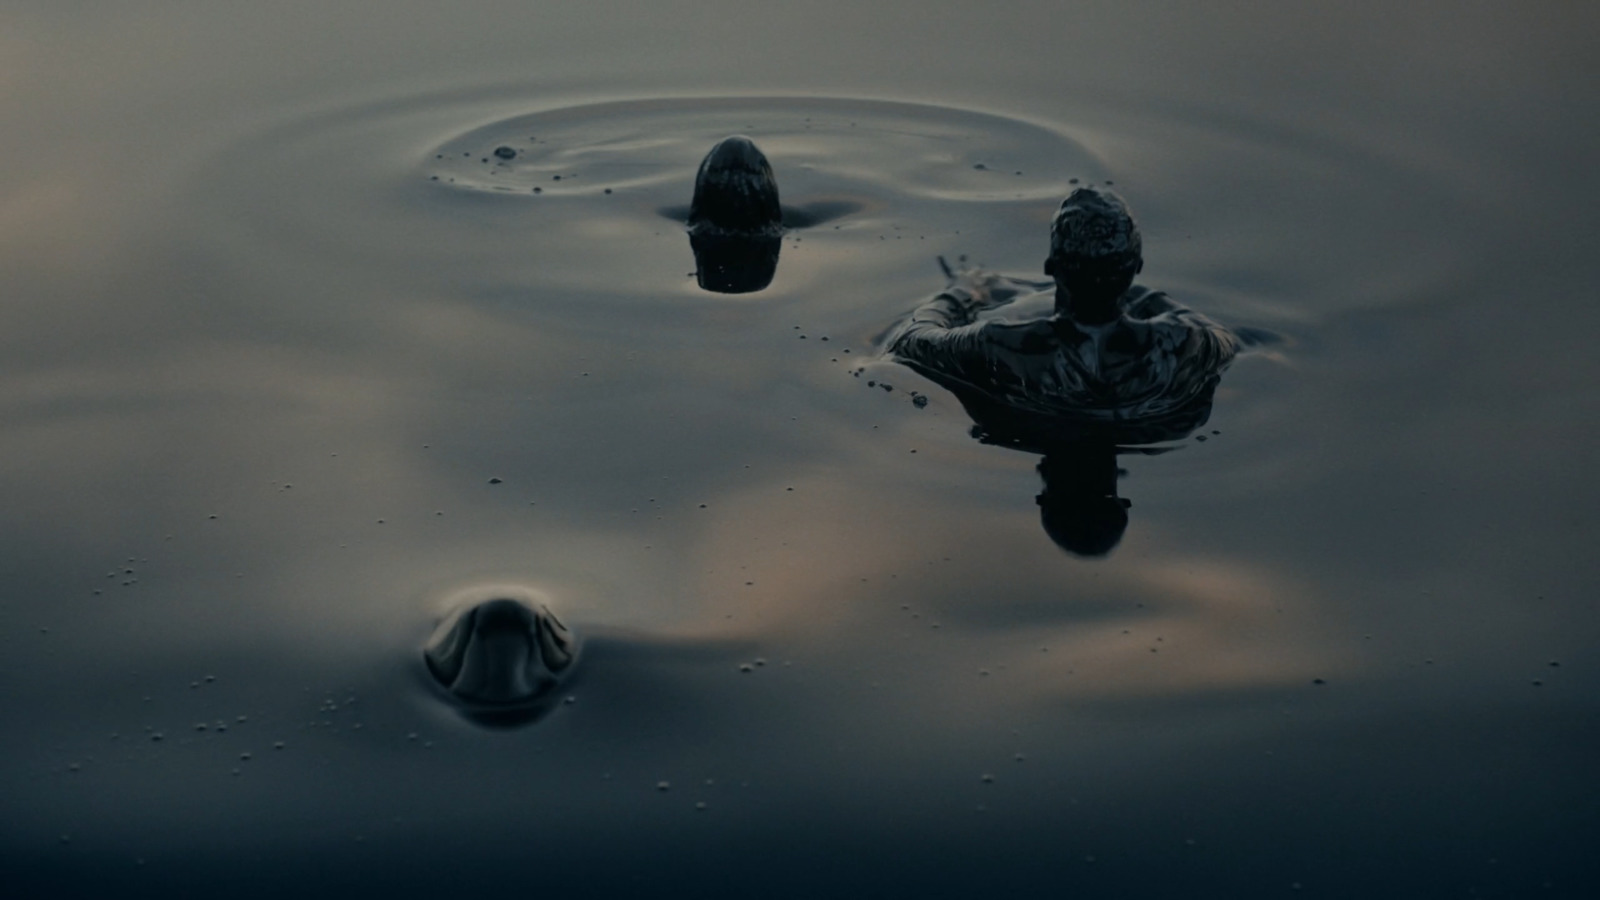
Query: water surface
{"type": "Point", "coordinates": [292, 359]}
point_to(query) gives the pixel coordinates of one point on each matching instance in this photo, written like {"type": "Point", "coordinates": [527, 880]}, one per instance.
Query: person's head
{"type": "Point", "coordinates": [1079, 508]}
{"type": "Point", "coordinates": [1084, 526]}
{"type": "Point", "coordinates": [735, 191]}
{"type": "Point", "coordinates": [1095, 251]}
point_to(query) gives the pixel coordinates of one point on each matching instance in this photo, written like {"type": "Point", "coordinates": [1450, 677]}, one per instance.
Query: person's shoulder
{"type": "Point", "coordinates": [1141, 302]}
{"type": "Point", "coordinates": [1026, 336]}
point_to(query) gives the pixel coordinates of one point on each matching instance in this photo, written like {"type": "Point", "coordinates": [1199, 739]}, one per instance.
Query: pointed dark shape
{"type": "Point", "coordinates": [735, 191]}
{"type": "Point", "coordinates": [502, 659]}
{"type": "Point", "coordinates": [735, 221]}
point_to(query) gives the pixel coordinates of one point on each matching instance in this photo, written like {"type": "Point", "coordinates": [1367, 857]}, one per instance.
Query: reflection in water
{"type": "Point", "coordinates": [736, 223]}
{"type": "Point", "coordinates": [734, 263]}
{"type": "Point", "coordinates": [1113, 365]}
{"type": "Point", "coordinates": [501, 659]}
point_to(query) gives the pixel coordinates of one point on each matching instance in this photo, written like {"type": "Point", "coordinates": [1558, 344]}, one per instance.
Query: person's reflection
{"type": "Point", "coordinates": [1080, 507]}
{"type": "Point", "coordinates": [1111, 367]}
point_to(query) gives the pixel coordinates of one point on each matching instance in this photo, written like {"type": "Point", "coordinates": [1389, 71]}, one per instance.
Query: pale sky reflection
{"type": "Point", "coordinates": [831, 560]}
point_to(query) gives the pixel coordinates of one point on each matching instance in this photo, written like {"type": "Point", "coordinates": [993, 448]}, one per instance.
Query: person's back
{"type": "Point", "coordinates": [1110, 352]}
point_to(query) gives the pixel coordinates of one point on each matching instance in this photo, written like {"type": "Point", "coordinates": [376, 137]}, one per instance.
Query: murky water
{"type": "Point", "coordinates": [294, 360]}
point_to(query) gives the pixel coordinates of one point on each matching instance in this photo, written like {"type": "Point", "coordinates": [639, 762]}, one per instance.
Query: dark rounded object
{"type": "Point", "coordinates": [1079, 508]}
{"type": "Point", "coordinates": [735, 191]}
{"type": "Point", "coordinates": [734, 263]}
{"type": "Point", "coordinates": [505, 152]}
{"type": "Point", "coordinates": [501, 655]}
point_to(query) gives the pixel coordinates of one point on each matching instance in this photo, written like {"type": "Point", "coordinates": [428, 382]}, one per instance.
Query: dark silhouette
{"type": "Point", "coordinates": [735, 221]}
{"type": "Point", "coordinates": [1112, 367]}
{"type": "Point", "coordinates": [736, 224]}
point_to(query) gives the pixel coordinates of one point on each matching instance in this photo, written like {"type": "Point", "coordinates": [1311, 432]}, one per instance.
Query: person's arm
{"type": "Point", "coordinates": [936, 333]}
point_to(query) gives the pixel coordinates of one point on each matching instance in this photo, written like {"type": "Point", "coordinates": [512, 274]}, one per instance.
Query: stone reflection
{"type": "Point", "coordinates": [1112, 369]}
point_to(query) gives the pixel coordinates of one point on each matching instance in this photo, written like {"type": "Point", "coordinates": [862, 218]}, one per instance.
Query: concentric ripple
{"type": "Point", "coordinates": [818, 145]}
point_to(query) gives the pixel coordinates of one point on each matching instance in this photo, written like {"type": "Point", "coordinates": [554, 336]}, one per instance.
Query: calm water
{"type": "Point", "coordinates": [274, 316]}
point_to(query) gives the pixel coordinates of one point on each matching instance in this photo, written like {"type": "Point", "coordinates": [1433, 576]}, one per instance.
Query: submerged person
{"type": "Point", "coordinates": [1112, 366]}
{"type": "Point", "coordinates": [736, 224]}
{"type": "Point", "coordinates": [1111, 351]}
{"type": "Point", "coordinates": [735, 221]}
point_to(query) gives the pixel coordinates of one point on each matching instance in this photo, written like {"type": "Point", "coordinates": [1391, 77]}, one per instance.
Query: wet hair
{"type": "Point", "coordinates": [1094, 231]}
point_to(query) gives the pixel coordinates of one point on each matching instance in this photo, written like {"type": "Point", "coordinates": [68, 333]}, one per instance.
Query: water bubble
{"type": "Point", "coordinates": [495, 481]}
{"type": "Point", "coordinates": [505, 153]}
{"type": "Point", "coordinates": [663, 785]}
{"type": "Point", "coordinates": [986, 778]}
{"type": "Point", "coordinates": [701, 806]}
{"type": "Point", "coordinates": [919, 401]}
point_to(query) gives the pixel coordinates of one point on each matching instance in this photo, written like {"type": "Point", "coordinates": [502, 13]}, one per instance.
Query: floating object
{"type": "Point", "coordinates": [735, 220]}
{"type": "Point", "coordinates": [502, 659]}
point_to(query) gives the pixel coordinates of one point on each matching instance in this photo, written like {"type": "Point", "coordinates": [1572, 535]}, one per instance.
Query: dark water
{"type": "Point", "coordinates": [275, 315]}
